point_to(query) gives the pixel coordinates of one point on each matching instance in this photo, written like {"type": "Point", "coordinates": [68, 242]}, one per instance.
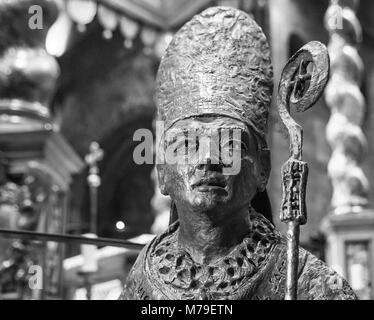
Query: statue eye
{"type": "Point", "coordinates": [186, 145]}
{"type": "Point", "coordinates": [191, 144]}
{"type": "Point", "coordinates": [234, 144]}
{"type": "Point", "coordinates": [183, 145]}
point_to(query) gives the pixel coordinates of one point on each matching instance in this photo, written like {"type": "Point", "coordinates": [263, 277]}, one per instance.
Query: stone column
{"type": "Point", "coordinates": [347, 105]}
{"type": "Point", "coordinates": [349, 228]}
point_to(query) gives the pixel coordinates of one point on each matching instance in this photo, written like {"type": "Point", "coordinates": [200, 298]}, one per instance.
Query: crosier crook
{"type": "Point", "coordinates": [302, 83]}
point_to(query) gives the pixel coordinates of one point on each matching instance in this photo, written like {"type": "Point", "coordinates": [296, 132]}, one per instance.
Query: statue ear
{"type": "Point", "coordinates": [264, 167]}
{"type": "Point", "coordinates": [161, 179]}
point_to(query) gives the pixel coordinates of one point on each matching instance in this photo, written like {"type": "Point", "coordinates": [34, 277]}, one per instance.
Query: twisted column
{"type": "Point", "coordinates": [347, 105]}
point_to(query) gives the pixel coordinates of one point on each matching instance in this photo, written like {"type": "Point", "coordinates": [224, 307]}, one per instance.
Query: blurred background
{"type": "Point", "coordinates": [77, 80]}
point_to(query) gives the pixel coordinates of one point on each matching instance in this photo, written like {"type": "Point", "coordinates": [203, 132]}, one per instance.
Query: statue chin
{"type": "Point", "coordinates": [209, 198]}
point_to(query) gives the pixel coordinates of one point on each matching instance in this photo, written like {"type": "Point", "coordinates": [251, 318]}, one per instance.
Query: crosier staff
{"type": "Point", "coordinates": [302, 83]}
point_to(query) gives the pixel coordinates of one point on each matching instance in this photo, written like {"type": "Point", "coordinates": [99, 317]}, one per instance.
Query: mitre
{"type": "Point", "coordinates": [218, 63]}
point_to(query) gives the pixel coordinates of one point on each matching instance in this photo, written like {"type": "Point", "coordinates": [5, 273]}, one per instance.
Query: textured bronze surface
{"type": "Point", "coordinates": [293, 207]}
{"type": "Point", "coordinates": [219, 63]}
{"type": "Point", "coordinates": [300, 88]}
{"type": "Point", "coordinates": [302, 83]}
{"type": "Point", "coordinates": [217, 74]}
{"type": "Point", "coordinates": [255, 270]}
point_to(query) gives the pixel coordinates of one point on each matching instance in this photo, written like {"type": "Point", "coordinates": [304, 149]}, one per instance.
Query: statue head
{"type": "Point", "coordinates": [214, 88]}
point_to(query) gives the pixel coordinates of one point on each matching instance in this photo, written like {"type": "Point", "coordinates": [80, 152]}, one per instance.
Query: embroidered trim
{"type": "Point", "coordinates": [174, 273]}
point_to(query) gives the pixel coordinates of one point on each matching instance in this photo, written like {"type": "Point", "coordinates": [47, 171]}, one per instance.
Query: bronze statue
{"type": "Point", "coordinates": [217, 77]}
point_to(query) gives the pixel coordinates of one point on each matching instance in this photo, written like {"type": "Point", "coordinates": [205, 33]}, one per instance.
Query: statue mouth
{"type": "Point", "coordinates": [207, 184]}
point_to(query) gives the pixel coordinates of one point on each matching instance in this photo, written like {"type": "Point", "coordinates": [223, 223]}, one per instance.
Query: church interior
{"type": "Point", "coordinates": [77, 80]}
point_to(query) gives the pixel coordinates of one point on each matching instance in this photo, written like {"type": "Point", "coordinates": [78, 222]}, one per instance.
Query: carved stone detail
{"type": "Point", "coordinates": [347, 105]}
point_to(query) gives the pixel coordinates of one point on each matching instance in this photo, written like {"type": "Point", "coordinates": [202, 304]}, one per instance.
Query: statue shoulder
{"type": "Point", "coordinates": [137, 285]}
{"type": "Point", "coordinates": [318, 281]}
{"type": "Point", "coordinates": [131, 289]}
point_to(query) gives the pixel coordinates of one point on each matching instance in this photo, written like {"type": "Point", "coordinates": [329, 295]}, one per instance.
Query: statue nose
{"type": "Point", "coordinates": [208, 165]}
{"type": "Point", "coordinates": [208, 156]}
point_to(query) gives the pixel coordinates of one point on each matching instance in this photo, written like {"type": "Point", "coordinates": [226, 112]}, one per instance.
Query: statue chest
{"type": "Point", "coordinates": [169, 272]}
{"type": "Point", "coordinates": [259, 284]}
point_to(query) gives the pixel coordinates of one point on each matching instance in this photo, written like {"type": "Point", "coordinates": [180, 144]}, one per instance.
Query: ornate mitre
{"type": "Point", "coordinates": [218, 63]}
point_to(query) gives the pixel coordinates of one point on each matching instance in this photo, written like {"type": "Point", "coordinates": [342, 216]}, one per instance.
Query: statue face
{"type": "Point", "coordinates": [200, 183]}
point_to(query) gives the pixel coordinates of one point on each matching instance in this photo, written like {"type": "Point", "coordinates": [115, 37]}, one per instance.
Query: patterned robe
{"type": "Point", "coordinates": [254, 270]}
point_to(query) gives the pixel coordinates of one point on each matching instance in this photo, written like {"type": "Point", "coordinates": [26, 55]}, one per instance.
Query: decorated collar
{"type": "Point", "coordinates": [174, 273]}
